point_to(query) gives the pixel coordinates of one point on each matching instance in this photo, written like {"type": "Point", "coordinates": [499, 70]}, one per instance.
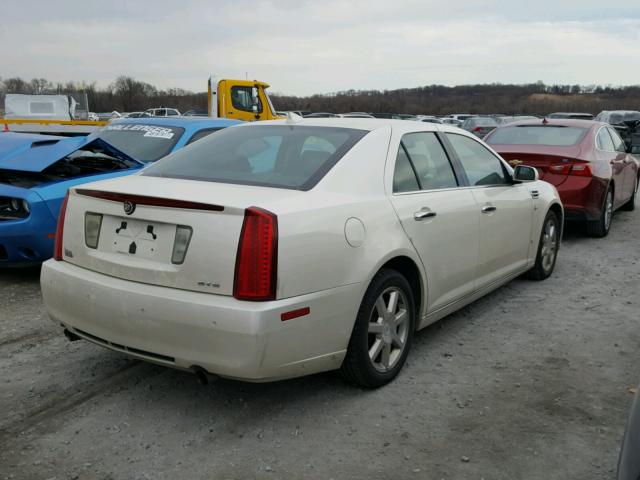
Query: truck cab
{"type": "Point", "coordinates": [245, 100]}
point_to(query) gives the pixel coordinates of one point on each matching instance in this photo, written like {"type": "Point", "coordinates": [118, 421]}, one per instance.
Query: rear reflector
{"type": "Point", "coordinates": [57, 249]}
{"type": "Point", "coordinates": [152, 201]}
{"type": "Point", "coordinates": [257, 258]}
{"type": "Point", "coordinates": [301, 312]}
{"type": "Point", "coordinates": [92, 224]}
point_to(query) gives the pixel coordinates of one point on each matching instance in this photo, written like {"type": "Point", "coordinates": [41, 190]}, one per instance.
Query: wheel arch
{"type": "Point", "coordinates": [411, 268]}
{"type": "Point", "coordinates": [559, 211]}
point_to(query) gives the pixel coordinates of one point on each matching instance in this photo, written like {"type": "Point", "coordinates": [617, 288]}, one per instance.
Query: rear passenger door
{"type": "Point", "coordinates": [504, 210]}
{"type": "Point", "coordinates": [629, 172]}
{"type": "Point", "coordinates": [607, 153]}
{"type": "Point", "coordinates": [440, 218]}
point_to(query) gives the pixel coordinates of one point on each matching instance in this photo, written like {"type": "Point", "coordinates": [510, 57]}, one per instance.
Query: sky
{"type": "Point", "coordinates": [303, 47]}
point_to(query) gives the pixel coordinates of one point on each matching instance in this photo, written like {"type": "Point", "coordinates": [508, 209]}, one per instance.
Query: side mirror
{"type": "Point", "coordinates": [255, 100]}
{"type": "Point", "coordinates": [523, 173]}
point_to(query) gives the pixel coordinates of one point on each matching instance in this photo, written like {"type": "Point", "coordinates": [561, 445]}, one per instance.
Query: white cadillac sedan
{"type": "Point", "coordinates": [284, 248]}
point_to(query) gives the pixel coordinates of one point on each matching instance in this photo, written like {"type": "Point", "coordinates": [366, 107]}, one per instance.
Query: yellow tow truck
{"type": "Point", "coordinates": [240, 100]}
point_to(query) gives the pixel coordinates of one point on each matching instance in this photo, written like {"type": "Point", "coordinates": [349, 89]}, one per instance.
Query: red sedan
{"type": "Point", "coordinates": [587, 162]}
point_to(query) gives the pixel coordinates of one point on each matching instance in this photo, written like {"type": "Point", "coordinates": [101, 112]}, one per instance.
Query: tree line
{"type": "Point", "coordinates": [127, 94]}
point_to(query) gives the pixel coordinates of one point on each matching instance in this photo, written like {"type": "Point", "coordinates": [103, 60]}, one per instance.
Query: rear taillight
{"type": "Point", "coordinates": [57, 249]}
{"type": "Point", "coordinates": [257, 259]}
{"type": "Point", "coordinates": [560, 169]}
{"type": "Point", "coordinates": [582, 170]}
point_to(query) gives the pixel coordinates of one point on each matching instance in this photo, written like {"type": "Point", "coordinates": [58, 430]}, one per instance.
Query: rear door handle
{"type": "Point", "coordinates": [422, 214]}
{"type": "Point", "coordinates": [488, 209]}
{"type": "Point", "coordinates": [535, 193]}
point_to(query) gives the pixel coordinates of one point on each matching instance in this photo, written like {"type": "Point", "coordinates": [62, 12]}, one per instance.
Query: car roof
{"type": "Point", "coordinates": [179, 121]}
{"type": "Point", "coordinates": [564, 122]}
{"type": "Point", "coordinates": [570, 113]}
{"type": "Point", "coordinates": [369, 124]}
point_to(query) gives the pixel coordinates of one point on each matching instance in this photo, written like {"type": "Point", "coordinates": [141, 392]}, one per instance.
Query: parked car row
{"type": "Point", "coordinates": [285, 248]}
{"type": "Point", "coordinates": [276, 249]}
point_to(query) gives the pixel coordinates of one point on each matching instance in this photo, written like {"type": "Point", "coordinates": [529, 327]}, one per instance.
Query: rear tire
{"type": "Point", "coordinates": [600, 228]}
{"type": "Point", "coordinates": [630, 206]}
{"type": "Point", "coordinates": [547, 248]}
{"type": "Point", "coordinates": [383, 331]}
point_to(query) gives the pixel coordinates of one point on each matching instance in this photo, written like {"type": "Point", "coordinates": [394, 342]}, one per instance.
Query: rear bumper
{"type": "Point", "coordinates": [578, 215]}
{"type": "Point", "coordinates": [183, 329]}
{"type": "Point", "coordinates": [582, 197]}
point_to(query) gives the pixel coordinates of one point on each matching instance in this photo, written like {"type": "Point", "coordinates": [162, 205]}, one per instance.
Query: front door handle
{"type": "Point", "coordinates": [488, 209]}
{"type": "Point", "coordinates": [534, 193]}
{"type": "Point", "coordinates": [422, 214]}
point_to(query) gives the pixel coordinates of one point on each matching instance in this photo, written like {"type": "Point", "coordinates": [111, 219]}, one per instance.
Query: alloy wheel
{"type": "Point", "coordinates": [549, 244]}
{"type": "Point", "coordinates": [388, 329]}
{"type": "Point", "coordinates": [608, 210]}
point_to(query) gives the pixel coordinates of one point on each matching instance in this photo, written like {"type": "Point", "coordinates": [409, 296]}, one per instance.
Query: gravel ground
{"type": "Point", "coordinates": [530, 382]}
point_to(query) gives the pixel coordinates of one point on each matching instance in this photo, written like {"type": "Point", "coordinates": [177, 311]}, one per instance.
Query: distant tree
{"type": "Point", "coordinates": [15, 85]}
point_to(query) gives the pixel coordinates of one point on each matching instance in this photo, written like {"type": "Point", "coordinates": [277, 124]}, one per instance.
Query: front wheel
{"type": "Point", "coordinates": [547, 248]}
{"type": "Point", "coordinates": [382, 333]}
{"type": "Point", "coordinates": [600, 227]}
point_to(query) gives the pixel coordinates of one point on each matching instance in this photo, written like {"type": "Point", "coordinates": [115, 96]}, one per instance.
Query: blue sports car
{"type": "Point", "coordinates": [37, 170]}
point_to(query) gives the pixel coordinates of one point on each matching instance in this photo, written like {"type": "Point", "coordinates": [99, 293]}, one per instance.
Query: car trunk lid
{"type": "Point", "coordinates": [138, 234]}
{"type": "Point", "coordinates": [553, 167]}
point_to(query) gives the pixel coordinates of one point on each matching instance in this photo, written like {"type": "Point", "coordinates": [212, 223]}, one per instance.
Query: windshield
{"type": "Point", "coordinates": [620, 117]}
{"type": "Point", "coordinates": [271, 107]}
{"type": "Point", "coordinates": [146, 143]}
{"type": "Point", "coordinates": [552, 135]}
{"type": "Point", "coordinates": [281, 156]}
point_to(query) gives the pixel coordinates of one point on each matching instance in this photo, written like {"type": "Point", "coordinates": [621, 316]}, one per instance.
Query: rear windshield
{"type": "Point", "coordinates": [488, 122]}
{"type": "Point", "coordinates": [146, 143]}
{"type": "Point", "coordinates": [552, 135]}
{"type": "Point", "coordinates": [283, 156]}
{"type": "Point", "coordinates": [620, 117]}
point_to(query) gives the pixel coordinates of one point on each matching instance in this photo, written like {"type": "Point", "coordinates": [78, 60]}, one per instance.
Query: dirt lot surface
{"type": "Point", "coordinates": [530, 382]}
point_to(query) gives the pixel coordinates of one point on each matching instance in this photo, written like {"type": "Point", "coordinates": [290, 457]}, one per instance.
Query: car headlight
{"type": "Point", "coordinates": [13, 208]}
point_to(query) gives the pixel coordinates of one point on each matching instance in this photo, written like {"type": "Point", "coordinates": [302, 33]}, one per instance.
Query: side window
{"type": "Point", "coordinates": [241, 99]}
{"type": "Point", "coordinates": [481, 166]}
{"type": "Point", "coordinates": [603, 141]}
{"type": "Point", "coordinates": [429, 160]}
{"type": "Point", "coordinates": [172, 112]}
{"type": "Point", "coordinates": [618, 143]}
{"type": "Point", "coordinates": [201, 134]}
{"type": "Point", "coordinates": [404, 178]}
